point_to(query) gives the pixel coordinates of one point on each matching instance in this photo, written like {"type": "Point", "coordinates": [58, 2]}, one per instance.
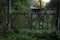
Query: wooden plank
{"type": "Point", "coordinates": [17, 12]}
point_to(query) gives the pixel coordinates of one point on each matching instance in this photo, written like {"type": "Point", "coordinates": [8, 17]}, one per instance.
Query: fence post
{"type": "Point", "coordinates": [9, 15]}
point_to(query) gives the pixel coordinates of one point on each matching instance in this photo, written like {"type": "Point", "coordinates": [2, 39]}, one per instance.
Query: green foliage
{"type": "Point", "coordinates": [26, 35]}
{"type": "Point", "coordinates": [21, 4]}
{"type": "Point", "coordinates": [19, 23]}
{"type": "Point", "coordinates": [53, 4]}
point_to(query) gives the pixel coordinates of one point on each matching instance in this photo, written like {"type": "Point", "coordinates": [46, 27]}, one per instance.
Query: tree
{"type": "Point", "coordinates": [55, 4]}
{"type": "Point", "coordinates": [21, 4]}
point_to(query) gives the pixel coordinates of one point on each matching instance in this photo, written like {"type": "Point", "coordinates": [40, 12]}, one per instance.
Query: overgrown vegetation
{"type": "Point", "coordinates": [20, 30]}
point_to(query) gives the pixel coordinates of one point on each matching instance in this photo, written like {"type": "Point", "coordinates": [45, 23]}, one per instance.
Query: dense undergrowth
{"type": "Point", "coordinates": [31, 35]}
